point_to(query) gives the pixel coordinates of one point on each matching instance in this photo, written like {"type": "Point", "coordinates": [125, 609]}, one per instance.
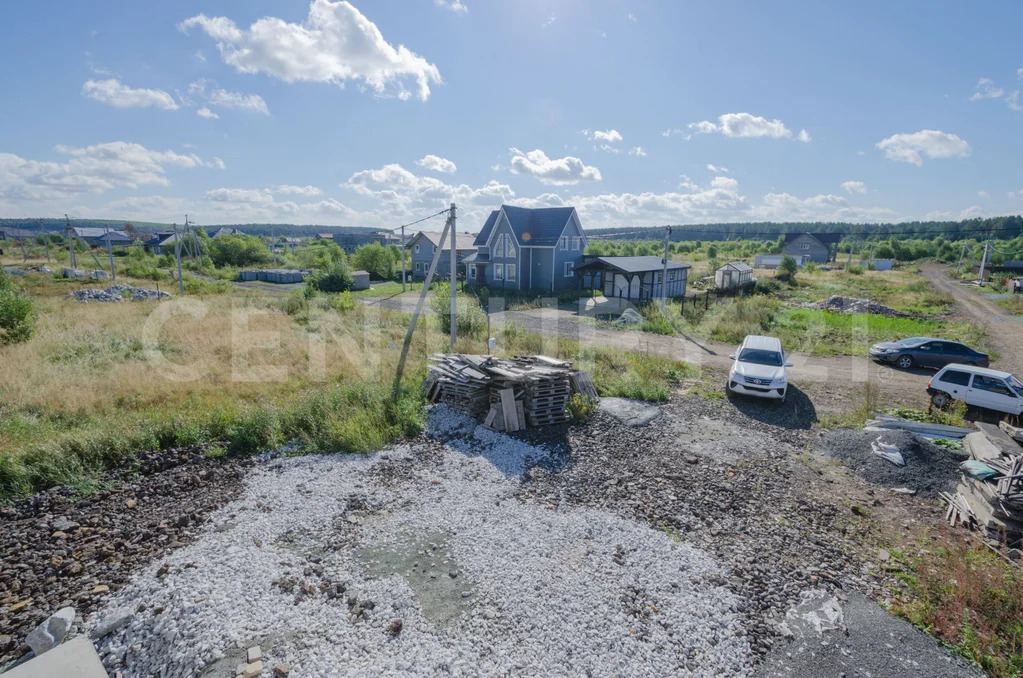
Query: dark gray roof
{"type": "Point", "coordinates": [476, 258]}
{"type": "Point", "coordinates": [6, 232]}
{"type": "Point", "coordinates": [540, 227]}
{"type": "Point", "coordinates": [824, 238]}
{"type": "Point", "coordinates": [633, 264]}
{"type": "Point", "coordinates": [463, 241]}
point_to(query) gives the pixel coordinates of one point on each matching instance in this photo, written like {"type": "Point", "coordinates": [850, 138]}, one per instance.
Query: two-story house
{"type": "Point", "coordinates": [816, 247]}
{"type": "Point", "coordinates": [424, 243]}
{"type": "Point", "coordinates": [528, 249]}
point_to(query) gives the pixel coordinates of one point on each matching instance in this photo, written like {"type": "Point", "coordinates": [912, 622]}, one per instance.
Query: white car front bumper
{"type": "Point", "coordinates": [737, 384]}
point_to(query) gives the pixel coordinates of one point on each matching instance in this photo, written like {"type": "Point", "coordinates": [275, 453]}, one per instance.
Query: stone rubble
{"type": "Point", "coordinates": [117, 293]}
{"type": "Point", "coordinates": [855, 305]}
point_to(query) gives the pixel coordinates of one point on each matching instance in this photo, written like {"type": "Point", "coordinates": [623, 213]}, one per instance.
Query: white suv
{"type": "Point", "coordinates": [977, 386]}
{"type": "Point", "coordinates": [759, 369]}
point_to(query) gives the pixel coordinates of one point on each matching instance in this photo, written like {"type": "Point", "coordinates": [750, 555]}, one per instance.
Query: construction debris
{"type": "Point", "coordinates": [507, 394]}
{"type": "Point", "coordinates": [990, 492]}
{"type": "Point", "coordinates": [116, 293]}
{"type": "Point", "coordinates": [855, 305]}
{"type": "Point", "coordinates": [921, 428]}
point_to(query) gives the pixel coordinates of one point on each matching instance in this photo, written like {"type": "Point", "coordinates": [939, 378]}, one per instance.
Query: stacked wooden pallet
{"type": "Point", "coordinates": [512, 393]}
{"type": "Point", "coordinates": [990, 492]}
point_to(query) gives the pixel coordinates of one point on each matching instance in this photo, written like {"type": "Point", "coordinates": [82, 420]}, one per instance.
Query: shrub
{"type": "Point", "coordinates": [238, 250]}
{"type": "Point", "coordinates": [788, 265]}
{"type": "Point", "coordinates": [581, 408]}
{"type": "Point", "coordinates": [470, 320]}
{"type": "Point", "coordinates": [336, 278]}
{"type": "Point", "coordinates": [856, 270]}
{"type": "Point", "coordinates": [17, 312]}
{"type": "Point", "coordinates": [343, 302]}
{"type": "Point", "coordinates": [811, 267]}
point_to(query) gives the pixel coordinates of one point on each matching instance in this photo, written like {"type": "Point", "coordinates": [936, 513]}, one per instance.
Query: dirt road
{"type": "Point", "coordinates": [1004, 330]}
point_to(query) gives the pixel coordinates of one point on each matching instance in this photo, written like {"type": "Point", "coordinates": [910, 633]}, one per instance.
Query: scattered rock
{"type": "Point", "coordinates": [112, 622]}
{"type": "Point", "coordinates": [252, 669]}
{"type": "Point", "coordinates": [115, 293]}
{"type": "Point", "coordinates": [281, 671]}
{"type": "Point", "coordinates": [253, 654]}
{"type": "Point", "coordinates": [51, 632]}
{"type": "Point", "coordinates": [395, 627]}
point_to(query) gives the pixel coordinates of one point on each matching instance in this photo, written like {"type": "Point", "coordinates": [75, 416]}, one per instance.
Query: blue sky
{"type": "Point", "coordinates": [638, 113]}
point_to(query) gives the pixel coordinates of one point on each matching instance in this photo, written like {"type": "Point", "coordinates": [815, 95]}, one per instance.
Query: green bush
{"type": "Point", "coordinates": [581, 408]}
{"type": "Point", "coordinates": [17, 312]}
{"type": "Point", "coordinates": [788, 265]}
{"type": "Point", "coordinates": [856, 270]}
{"type": "Point", "coordinates": [238, 250]}
{"type": "Point", "coordinates": [336, 278]}
{"type": "Point", "coordinates": [343, 302]}
{"type": "Point", "coordinates": [470, 320]}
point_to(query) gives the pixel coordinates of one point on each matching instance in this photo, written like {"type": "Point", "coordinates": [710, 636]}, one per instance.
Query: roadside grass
{"type": "Point", "coordinates": [389, 288]}
{"type": "Point", "coordinates": [954, 415]}
{"type": "Point", "coordinates": [1012, 303]}
{"type": "Point", "coordinates": [247, 371]}
{"type": "Point", "coordinates": [860, 410]}
{"type": "Point", "coordinates": [970, 599]}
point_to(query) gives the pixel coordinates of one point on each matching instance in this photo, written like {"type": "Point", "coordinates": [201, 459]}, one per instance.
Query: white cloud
{"type": "Point", "coordinates": [610, 136]}
{"type": "Point", "coordinates": [549, 21]}
{"type": "Point", "coordinates": [716, 170]}
{"type": "Point", "coordinates": [972, 212]}
{"type": "Point", "coordinates": [927, 142]}
{"type": "Point", "coordinates": [631, 17]}
{"type": "Point", "coordinates": [334, 44]}
{"type": "Point", "coordinates": [403, 192]}
{"type": "Point", "coordinates": [289, 189]}
{"type": "Point", "coordinates": [436, 164]}
{"type": "Point", "coordinates": [225, 99]}
{"type": "Point", "coordinates": [983, 194]}
{"type": "Point", "coordinates": [855, 187]}
{"type": "Point", "coordinates": [199, 56]}
{"type": "Point", "coordinates": [552, 171]}
{"type": "Point", "coordinates": [92, 169]}
{"type": "Point", "coordinates": [741, 126]}
{"type": "Point", "coordinates": [1012, 101]}
{"type": "Point", "coordinates": [114, 93]}
{"type": "Point", "coordinates": [824, 207]}
{"type": "Point", "coordinates": [1019, 73]}
{"type": "Point", "coordinates": [206, 113]}
{"type": "Point", "coordinates": [986, 89]}
{"type": "Point", "coordinates": [637, 151]}
{"type": "Point", "coordinates": [455, 6]}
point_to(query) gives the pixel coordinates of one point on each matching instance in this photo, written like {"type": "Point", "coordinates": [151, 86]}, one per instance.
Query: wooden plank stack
{"type": "Point", "coordinates": [993, 505]}
{"type": "Point", "coordinates": [509, 394]}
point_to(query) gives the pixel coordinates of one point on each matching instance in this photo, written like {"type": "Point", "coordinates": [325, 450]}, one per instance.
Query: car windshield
{"type": "Point", "coordinates": [760, 356]}
{"type": "Point", "coordinates": [910, 341]}
{"type": "Point", "coordinates": [1016, 385]}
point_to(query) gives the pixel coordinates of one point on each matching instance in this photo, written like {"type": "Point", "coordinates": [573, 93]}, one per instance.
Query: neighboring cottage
{"type": "Point", "coordinates": [818, 247]}
{"type": "Point", "coordinates": [635, 278]}
{"type": "Point", "coordinates": [8, 233]}
{"type": "Point", "coordinates": [733, 274]}
{"type": "Point", "coordinates": [424, 243]}
{"type": "Point", "coordinates": [162, 241]}
{"type": "Point", "coordinates": [350, 242]}
{"type": "Point", "coordinates": [227, 230]}
{"type": "Point", "coordinates": [774, 260]}
{"type": "Point", "coordinates": [97, 237]}
{"type": "Point", "coordinates": [528, 249]}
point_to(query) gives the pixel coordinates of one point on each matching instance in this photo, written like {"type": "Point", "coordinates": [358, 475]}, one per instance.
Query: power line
{"type": "Point", "coordinates": [413, 223]}
{"type": "Point", "coordinates": [745, 235]}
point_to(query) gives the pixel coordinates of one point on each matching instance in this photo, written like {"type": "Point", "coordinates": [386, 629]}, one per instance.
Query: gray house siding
{"type": "Point", "coordinates": [499, 258]}
{"type": "Point", "coordinates": [808, 246]}
{"type": "Point", "coordinates": [575, 243]}
{"type": "Point", "coordinates": [422, 259]}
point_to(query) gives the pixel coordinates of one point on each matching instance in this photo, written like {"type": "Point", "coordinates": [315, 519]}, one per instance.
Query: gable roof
{"type": "Point", "coordinates": [737, 265]}
{"type": "Point", "coordinates": [92, 232]}
{"type": "Point", "coordinates": [823, 238]}
{"type": "Point", "coordinates": [540, 227]}
{"type": "Point", "coordinates": [463, 241]}
{"type": "Point", "coordinates": [16, 233]}
{"type": "Point", "coordinates": [637, 264]}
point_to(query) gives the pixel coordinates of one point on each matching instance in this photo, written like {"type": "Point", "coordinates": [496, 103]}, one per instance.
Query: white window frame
{"type": "Point", "coordinates": [419, 266]}
{"type": "Point", "coordinates": [499, 247]}
{"type": "Point", "coordinates": [509, 272]}
{"type": "Point", "coordinates": [564, 243]}
{"type": "Point", "coordinates": [472, 271]}
{"type": "Point", "coordinates": [804, 246]}
{"type": "Point", "coordinates": [509, 247]}
{"type": "Point", "coordinates": [576, 243]}
{"type": "Point", "coordinates": [417, 249]}
{"type": "Point", "coordinates": [569, 269]}
{"type": "Point", "coordinates": [498, 271]}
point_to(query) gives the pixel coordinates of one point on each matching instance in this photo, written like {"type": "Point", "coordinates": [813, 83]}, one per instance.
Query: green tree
{"type": "Point", "coordinates": [336, 278]}
{"type": "Point", "coordinates": [17, 312]}
{"type": "Point", "coordinates": [788, 265]}
{"type": "Point", "coordinates": [378, 260]}
{"type": "Point", "coordinates": [238, 250]}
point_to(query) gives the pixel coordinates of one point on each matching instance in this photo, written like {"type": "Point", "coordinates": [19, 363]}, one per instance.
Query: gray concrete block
{"type": "Point", "coordinates": [77, 658]}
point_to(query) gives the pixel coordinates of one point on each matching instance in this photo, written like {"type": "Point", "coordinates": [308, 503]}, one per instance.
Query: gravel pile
{"type": "Point", "coordinates": [116, 293]}
{"type": "Point", "coordinates": [724, 482]}
{"type": "Point", "coordinates": [58, 549]}
{"type": "Point", "coordinates": [421, 561]}
{"type": "Point", "coordinates": [854, 305]}
{"type": "Point", "coordinates": [929, 469]}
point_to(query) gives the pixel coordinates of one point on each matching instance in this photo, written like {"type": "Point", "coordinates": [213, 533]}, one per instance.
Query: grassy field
{"type": "Point", "coordinates": [244, 368]}
{"type": "Point", "coordinates": [901, 289]}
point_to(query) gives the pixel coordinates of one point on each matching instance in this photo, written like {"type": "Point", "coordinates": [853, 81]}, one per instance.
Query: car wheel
{"type": "Point", "coordinates": [940, 400]}
{"type": "Point", "coordinates": [904, 362]}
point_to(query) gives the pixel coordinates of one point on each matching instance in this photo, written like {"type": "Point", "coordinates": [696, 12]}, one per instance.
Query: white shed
{"type": "Point", "coordinates": [733, 274]}
{"type": "Point", "coordinates": [360, 280]}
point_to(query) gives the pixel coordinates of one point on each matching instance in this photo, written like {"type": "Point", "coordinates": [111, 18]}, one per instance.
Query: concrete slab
{"type": "Point", "coordinates": [630, 412]}
{"type": "Point", "coordinates": [77, 657]}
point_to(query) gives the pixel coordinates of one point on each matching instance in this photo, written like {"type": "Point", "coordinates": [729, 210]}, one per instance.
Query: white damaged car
{"type": "Point", "coordinates": [759, 369]}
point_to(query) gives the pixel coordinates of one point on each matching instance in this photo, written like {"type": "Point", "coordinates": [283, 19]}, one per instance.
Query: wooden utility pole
{"type": "Point", "coordinates": [177, 255]}
{"type": "Point", "coordinates": [454, 270]}
{"type": "Point", "coordinates": [851, 243]}
{"type": "Point", "coordinates": [664, 274]}
{"type": "Point", "coordinates": [110, 255]}
{"type": "Point", "coordinates": [983, 262]}
{"type": "Point", "coordinates": [403, 258]}
{"type": "Point", "coordinates": [70, 235]}
{"type": "Point", "coordinates": [396, 389]}
{"type": "Point", "coordinates": [273, 247]}
{"type": "Point", "coordinates": [46, 240]}
{"type": "Point", "coordinates": [961, 255]}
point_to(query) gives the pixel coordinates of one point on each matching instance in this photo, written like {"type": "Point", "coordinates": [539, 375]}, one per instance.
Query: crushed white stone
{"type": "Point", "coordinates": [565, 591]}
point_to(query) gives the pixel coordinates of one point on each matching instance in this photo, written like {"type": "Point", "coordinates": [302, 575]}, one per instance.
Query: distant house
{"type": "Point", "coordinates": [227, 230]}
{"type": "Point", "coordinates": [1012, 267]}
{"type": "Point", "coordinates": [817, 246]}
{"type": "Point", "coordinates": [97, 237]}
{"type": "Point", "coordinates": [424, 243]}
{"type": "Point", "coordinates": [350, 242]}
{"type": "Point", "coordinates": [528, 249]}
{"type": "Point", "coordinates": [634, 278]}
{"type": "Point", "coordinates": [733, 274]}
{"type": "Point", "coordinates": [878, 264]}
{"type": "Point", "coordinates": [324, 236]}
{"type": "Point", "coordinates": [8, 233]}
{"type": "Point", "coordinates": [161, 242]}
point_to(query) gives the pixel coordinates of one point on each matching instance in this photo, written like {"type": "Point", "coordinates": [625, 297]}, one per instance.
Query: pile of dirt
{"type": "Point", "coordinates": [854, 305]}
{"type": "Point", "coordinates": [929, 469]}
